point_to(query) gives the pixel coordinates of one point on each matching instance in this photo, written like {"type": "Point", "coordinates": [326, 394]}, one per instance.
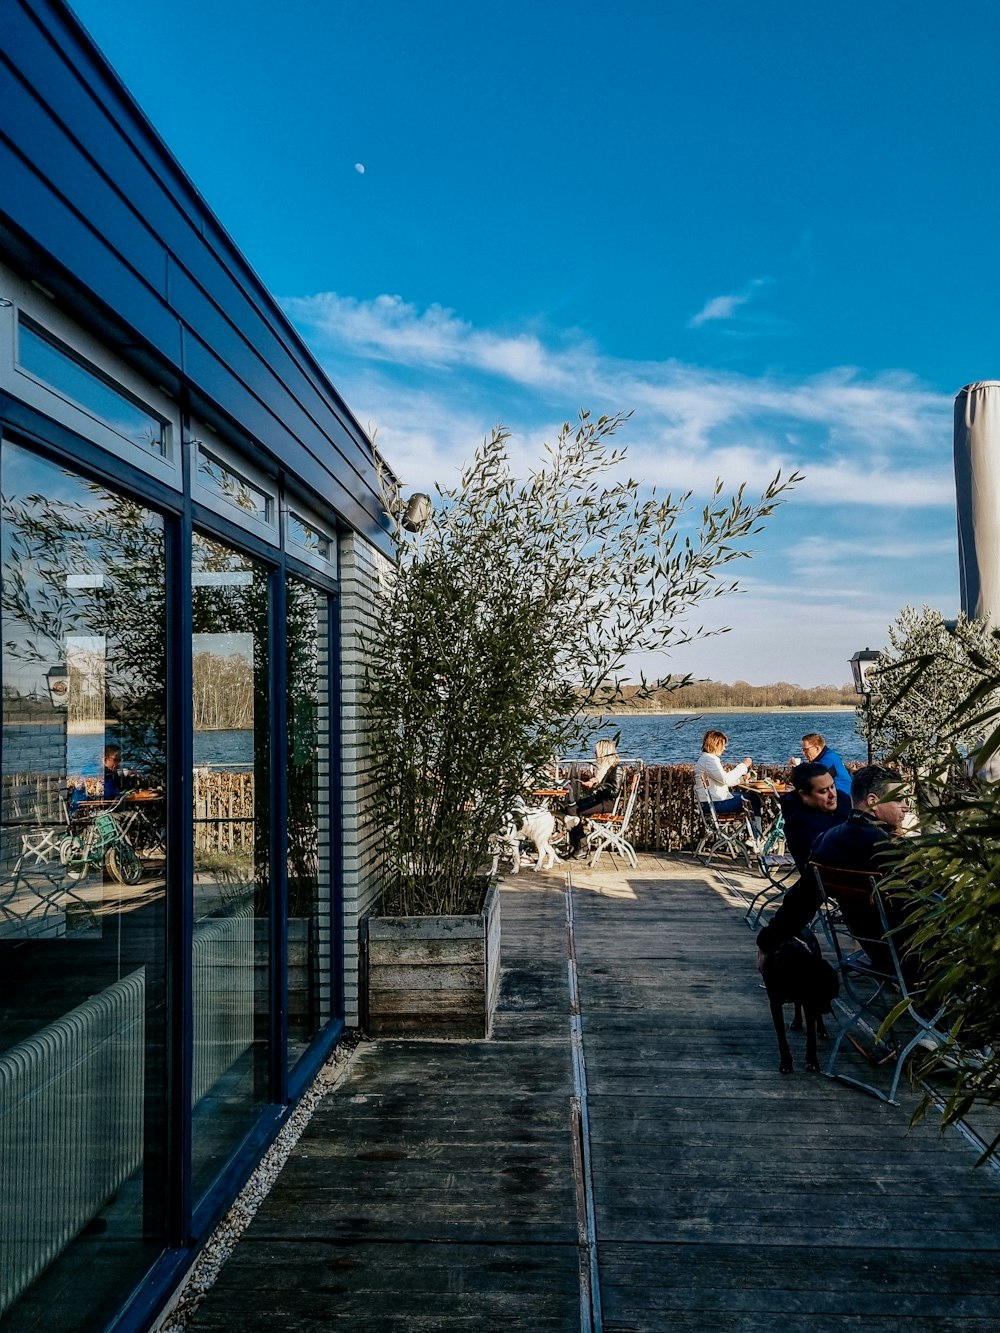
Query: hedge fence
{"type": "Point", "coordinates": [665, 818]}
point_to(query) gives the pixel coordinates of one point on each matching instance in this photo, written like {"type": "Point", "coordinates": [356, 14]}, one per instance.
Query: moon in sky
{"type": "Point", "coordinates": [359, 167]}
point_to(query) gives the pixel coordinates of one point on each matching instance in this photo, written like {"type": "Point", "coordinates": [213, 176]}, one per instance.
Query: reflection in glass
{"type": "Point", "coordinates": [310, 875]}
{"type": "Point", "coordinates": [65, 372]}
{"type": "Point", "coordinates": [231, 852]}
{"type": "Point", "coordinates": [82, 896]}
{"type": "Point", "coordinates": [233, 487]}
{"type": "Point", "coordinates": [303, 534]}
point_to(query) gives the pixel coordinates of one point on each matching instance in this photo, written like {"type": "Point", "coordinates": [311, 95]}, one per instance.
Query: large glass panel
{"type": "Point", "coordinates": [47, 360]}
{"type": "Point", "coordinates": [310, 872]}
{"type": "Point", "coordinates": [230, 971]}
{"type": "Point", "coordinates": [82, 896]}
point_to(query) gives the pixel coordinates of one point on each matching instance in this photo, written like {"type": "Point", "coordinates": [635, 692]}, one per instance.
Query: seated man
{"type": "Point", "coordinates": [815, 805]}
{"type": "Point", "coordinates": [869, 842]}
{"type": "Point", "coordinates": [116, 783]}
{"type": "Point", "coordinates": [857, 839]}
{"type": "Point", "coordinates": [865, 840]}
{"type": "Point", "coordinates": [816, 751]}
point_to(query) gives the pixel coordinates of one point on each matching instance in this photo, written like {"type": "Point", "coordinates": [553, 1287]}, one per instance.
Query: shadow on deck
{"type": "Point", "coordinates": [448, 1186]}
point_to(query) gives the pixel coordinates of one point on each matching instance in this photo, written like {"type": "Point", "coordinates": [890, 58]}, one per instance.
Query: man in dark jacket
{"type": "Point", "coordinates": [814, 806]}
{"type": "Point", "coordinates": [862, 841]}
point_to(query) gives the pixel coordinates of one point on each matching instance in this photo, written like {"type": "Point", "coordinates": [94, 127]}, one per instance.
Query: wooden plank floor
{"type": "Point", "coordinates": [728, 1196]}
{"type": "Point", "coordinates": [435, 1189]}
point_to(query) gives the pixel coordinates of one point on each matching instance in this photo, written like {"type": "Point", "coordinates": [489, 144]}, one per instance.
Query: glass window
{"type": "Point", "coordinates": [40, 355]}
{"type": "Point", "coordinates": [232, 486]}
{"type": "Point", "coordinates": [82, 896]}
{"type": "Point", "coordinates": [310, 869]}
{"type": "Point", "coordinates": [231, 781]}
{"type": "Point", "coordinates": [309, 542]}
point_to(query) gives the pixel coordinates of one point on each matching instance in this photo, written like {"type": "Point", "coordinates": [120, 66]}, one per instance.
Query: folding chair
{"type": "Point", "coordinates": [852, 904]}
{"type": "Point", "coordinates": [40, 835]}
{"type": "Point", "coordinates": [777, 866]}
{"type": "Point", "coordinates": [723, 833]}
{"type": "Point", "coordinates": [610, 830]}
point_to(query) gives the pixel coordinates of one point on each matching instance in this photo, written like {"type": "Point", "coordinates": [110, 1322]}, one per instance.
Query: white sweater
{"type": "Point", "coordinates": [709, 769]}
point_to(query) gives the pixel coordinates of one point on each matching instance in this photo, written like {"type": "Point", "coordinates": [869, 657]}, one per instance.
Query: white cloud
{"type": "Point", "coordinates": [875, 450]}
{"type": "Point", "coordinates": [877, 440]}
{"type": "Point", "coordinates": [723, 308]}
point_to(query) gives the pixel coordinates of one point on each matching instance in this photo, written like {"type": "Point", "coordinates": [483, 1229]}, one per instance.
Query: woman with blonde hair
{"type": "Point", "coordinates": [714, 782]}
{"type": "Point", "coordinates": [601, 788]}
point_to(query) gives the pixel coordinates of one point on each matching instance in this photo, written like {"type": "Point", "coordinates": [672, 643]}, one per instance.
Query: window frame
{"type": "Point", "coordinates": [19, 298]}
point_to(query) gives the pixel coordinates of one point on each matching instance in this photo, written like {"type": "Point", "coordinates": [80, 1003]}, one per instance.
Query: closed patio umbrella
{"type": "Point", "coordinates": [977, 486]}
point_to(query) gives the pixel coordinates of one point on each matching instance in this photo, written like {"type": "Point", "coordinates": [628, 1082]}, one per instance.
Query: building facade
{"type": "Point", "coordinates": [191, 531]}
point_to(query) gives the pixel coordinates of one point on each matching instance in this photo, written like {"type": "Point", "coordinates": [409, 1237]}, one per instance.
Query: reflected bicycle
{"type": "Point", "coordinates": [103, 842]}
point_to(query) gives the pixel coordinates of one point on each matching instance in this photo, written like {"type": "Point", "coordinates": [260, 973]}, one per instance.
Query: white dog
{"type": "Point", "coordinates": [537, 825]}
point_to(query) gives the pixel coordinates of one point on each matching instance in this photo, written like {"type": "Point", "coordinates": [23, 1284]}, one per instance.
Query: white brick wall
{"type": "Point", "coordinates": [360, 564]}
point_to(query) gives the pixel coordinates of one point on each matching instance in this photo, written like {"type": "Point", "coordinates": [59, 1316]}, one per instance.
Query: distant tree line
{"type": "Point", "coordinates": [701, 696]}
{"type": "Point", "coordinates": [223, 692]}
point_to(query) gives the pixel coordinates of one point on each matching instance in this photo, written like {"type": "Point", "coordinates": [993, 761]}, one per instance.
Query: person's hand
{"type": "Point", "coordinates": [748, 761]}
{"type": "Point", "coordinates": [794, 760]}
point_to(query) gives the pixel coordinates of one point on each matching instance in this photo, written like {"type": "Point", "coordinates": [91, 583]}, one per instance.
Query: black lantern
{"type": "Point", "coordinates": [57, 682]}
{"type": "Point", "coordinates": [861, 666]}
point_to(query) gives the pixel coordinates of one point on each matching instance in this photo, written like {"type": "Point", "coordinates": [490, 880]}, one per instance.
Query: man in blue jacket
{"type": "Point", "coordinates": [816, 751]}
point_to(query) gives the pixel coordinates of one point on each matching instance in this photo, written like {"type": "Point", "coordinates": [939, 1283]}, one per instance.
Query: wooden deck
{"type": "Point", "coordinates": [443, 1186]}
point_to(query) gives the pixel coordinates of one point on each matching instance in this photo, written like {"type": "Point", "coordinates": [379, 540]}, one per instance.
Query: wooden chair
{"type": "Point", "coordinates": [875, 978]}
{"type": "Point", "coordinates": [609, 830]}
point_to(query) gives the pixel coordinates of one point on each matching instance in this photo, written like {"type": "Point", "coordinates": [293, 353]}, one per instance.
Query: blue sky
{"type": "Point", "coordinates": [769, 230]}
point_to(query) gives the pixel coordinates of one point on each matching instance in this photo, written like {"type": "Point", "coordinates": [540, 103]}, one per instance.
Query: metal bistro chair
{"type": "Point", "coordinates": [776, 865]}
{"type": "Point", "coordinates": [871, 974]}
{"type": "Point", "coordinates": [41, 830]}
{"type": "Point", "coordinates": [723, 833]}
{"type": "Point", "coordinates": [610, 829]}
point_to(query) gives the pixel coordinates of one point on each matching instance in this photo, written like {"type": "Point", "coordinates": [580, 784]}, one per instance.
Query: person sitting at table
{"type": "Point", "coordinates": [116, 781]}
{"type": "Point", "coordinates": [714, 783]}
{"type": "Point", "coordinates": [816, 751]}
{"type": "Point", "coordinates": [601, 790]}
{"type": "Point", "coordinates": [865, 841]}
{"type": "Point", "coordinates": [814, 805]}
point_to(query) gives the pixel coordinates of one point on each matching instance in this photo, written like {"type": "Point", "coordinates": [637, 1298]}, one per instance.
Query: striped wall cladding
{"type": "Point", "coordinates": [71, 1104]}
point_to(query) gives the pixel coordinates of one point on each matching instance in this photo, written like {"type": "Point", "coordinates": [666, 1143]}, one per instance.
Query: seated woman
{"type": "Point", "coordinates": [714, 783]}
{"type": "Point", "coordinates": [601, 790]}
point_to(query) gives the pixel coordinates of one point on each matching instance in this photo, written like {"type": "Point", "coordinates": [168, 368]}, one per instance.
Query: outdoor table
{"type": "Point", "coordinates": [550, 793]}
{"type": "Point", "coordinates": [134, 811]}
{"type": "Point", "coordinates": [762, 788]}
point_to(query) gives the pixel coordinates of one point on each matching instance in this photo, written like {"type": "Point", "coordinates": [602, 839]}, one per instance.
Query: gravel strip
{"type": "Point", "coordinates": [208, 1265]}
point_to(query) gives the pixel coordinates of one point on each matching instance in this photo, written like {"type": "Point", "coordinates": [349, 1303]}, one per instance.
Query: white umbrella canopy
{"type": "Point", "coordinates": [977, 487]}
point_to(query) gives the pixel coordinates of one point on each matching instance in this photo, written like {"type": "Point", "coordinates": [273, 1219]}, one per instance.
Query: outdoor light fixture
{"type": "Point", "coordinates": [57, 681]}
{"type": "Point", "coordinates": [417, 512]}
{"type": "Point", "coordinates": [861, 665]}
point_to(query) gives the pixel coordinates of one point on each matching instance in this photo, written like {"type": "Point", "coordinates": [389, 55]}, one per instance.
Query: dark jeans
{"type": "Point", "coordinates": [734, 804]}
{"type": "Point", "coordinates": [588, 805]}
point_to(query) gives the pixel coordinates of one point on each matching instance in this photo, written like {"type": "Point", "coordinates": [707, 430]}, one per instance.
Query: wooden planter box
{"type": "Point", "coordinates": [433, 976]}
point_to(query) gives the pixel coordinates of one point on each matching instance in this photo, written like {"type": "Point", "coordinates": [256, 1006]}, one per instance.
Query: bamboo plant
{"type": "Point", "coordinates": [511, 611]}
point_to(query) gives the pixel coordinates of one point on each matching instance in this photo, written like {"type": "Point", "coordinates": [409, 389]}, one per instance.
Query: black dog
{"type": "Point", "coordinates": [795, 972]}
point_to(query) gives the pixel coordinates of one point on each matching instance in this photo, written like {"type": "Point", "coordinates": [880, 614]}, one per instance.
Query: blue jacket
{"type": "Point", "coordinates": [831, 759]}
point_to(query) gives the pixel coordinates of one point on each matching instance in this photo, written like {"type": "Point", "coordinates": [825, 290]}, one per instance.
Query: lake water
{"type": "Point", "coordinates": [769, 738]}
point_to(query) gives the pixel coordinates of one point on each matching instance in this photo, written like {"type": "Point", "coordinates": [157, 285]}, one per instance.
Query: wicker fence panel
{"type": "Point", "coordinates": [223, 811]}
{"type": "Point", "coordinates": [665, 818]}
